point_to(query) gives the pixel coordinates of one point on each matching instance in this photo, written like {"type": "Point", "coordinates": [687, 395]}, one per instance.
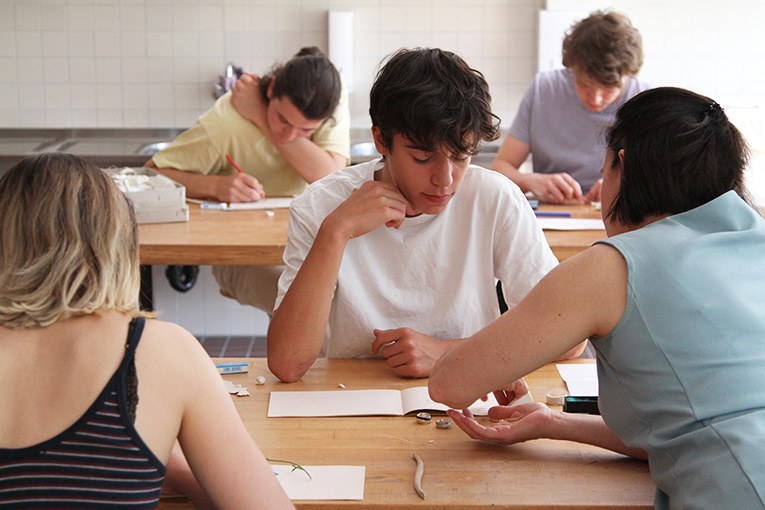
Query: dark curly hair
{"type": "Point", "coordinates": [433, 98]}
{"type": "Point", "coordinates": [309, 80]}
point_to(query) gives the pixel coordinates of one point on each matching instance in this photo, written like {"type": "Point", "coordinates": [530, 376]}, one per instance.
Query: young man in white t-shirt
{"type": "Point", "coordinates": [399, 257]}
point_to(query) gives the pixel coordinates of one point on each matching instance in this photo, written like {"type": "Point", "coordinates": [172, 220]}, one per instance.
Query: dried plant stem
{"type": "Point", "coordinates": [295, 466]}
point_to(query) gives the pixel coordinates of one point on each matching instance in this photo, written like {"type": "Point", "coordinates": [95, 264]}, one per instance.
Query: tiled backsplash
{"type": "Point", "coordinates": [151, 63]}
{"type": "Point", "coordinates": [202, 310]}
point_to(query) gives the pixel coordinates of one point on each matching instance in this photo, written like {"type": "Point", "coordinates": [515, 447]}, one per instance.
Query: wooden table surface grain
{"type": "Point", "coordinates": [213, 237]}
{"type": "Point", "coordinates": [460, 473]}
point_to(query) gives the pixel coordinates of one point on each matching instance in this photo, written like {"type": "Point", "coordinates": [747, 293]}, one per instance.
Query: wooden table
{"type": "Point", "coordinates": [567, 243]}
{"type": "Point", "coordinates": [459, 472]}
{"type": "Point", "coordinates": [254, 237]}
{"type": "Point", "coordinates": [216, 238]}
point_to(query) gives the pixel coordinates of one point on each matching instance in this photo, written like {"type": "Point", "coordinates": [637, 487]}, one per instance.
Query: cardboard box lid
{"type": "Point", "coordinates": [148, 189]}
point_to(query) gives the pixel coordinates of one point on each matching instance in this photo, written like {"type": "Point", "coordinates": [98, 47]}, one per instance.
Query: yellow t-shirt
{"type": "Point", "coordinates": [221, 130]}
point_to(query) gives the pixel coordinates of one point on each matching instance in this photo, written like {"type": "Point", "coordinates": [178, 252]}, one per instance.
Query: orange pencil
{"type": "Point", "coordinates": [233, 163]}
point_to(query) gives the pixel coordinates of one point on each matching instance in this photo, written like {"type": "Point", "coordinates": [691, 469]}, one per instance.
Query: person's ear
{"type": "Point", "coordinates": [379, 141]}
{"type": "Point", "coordinates": [621, 156]}
{"type": "Point", "coordinates": [270, 89]}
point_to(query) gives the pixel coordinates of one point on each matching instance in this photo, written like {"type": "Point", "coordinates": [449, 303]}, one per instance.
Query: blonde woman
{"type": "Point", "coordinates": [94, 393]}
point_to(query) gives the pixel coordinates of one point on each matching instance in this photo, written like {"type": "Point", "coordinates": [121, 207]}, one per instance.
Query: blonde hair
{"type": "Point", "coordinates": [69, 243]}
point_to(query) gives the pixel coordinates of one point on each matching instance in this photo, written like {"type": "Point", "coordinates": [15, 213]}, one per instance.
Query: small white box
{"type": "Point", "coordinates": [155, 197]}
{"type": "Point", "coordinates": [162, 214]}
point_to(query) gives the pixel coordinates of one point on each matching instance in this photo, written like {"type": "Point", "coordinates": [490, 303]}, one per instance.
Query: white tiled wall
{"type": "Point", "coordinates": [202, 310]}
{"type": "Point", "coordinates": [135, 63]}
{"type": "Point", "coordinates": [138, 63]}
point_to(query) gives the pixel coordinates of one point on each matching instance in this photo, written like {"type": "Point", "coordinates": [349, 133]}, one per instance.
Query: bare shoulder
{"type": "Point", "coordinates": [596, 272]}
{"type": "Point", "coordinates": [167, 332]}
{"type": "Point", "coordinates": [591, 285]}
{"type": "Point", "coordinates": [601, 283]}
{"type": "Point", "coordinates": [603, 257]}
{"type": "Point", "coordinates": [172, 344]}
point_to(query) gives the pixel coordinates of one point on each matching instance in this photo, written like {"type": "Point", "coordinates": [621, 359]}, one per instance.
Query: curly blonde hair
{"type": "Point", "coordinates": [69, 243]}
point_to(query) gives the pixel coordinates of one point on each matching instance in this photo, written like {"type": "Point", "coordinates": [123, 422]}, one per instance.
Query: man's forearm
{"type": "Point", "coordinates": [511, 172]}
{"type": "Point", "coordinates": [309, 160]}
{"type": "Point", "coordinates": [296, 332]}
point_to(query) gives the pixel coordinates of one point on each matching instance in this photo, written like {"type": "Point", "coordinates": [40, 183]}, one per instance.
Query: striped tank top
{"type": "Point", "coordinates": [99, 462]}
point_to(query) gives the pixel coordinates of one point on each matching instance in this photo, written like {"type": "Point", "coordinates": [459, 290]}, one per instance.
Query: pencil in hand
{"type": "Point", "coordinates": [259, 187]}
{"type": "Point", "coordinates": [233, 163]}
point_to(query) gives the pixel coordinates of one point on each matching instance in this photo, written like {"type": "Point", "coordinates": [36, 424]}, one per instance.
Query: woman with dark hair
{"type": "Point", "coordinates": [95, 394]}
{"type": "Point", "coordinates": [285, 130]}
{"type": "Point", "coordinates": [673, 303]}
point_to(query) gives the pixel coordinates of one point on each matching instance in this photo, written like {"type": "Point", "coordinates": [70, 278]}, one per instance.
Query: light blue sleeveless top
{"type": "Point", "coordinates": [682, 375]}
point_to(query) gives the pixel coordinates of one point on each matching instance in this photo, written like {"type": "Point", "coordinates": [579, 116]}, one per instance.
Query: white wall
{"type": "Point", "coordinates": [202, 310]}
{"type": "Point", "coordinates": [137, 63]}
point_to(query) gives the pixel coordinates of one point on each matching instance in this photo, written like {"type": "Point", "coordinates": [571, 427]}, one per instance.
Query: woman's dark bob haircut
{"type": "Point", "coordinates": [680, 152]}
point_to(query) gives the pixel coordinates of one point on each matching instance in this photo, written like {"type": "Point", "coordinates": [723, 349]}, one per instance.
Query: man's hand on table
{"type": "Point", "coordinates": [408, 352]}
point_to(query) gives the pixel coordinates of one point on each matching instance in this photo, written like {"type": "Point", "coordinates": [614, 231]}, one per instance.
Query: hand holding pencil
{"type": "Point", "coordinates": [240, 187]}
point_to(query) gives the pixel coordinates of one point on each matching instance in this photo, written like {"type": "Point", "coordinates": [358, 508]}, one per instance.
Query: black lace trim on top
{"type": "Point", "coordinates": [131, 390]}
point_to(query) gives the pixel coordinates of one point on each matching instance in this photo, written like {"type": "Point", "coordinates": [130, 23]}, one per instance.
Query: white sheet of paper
{"type": "Point", "coordinates": [335, 403]}
{"type": "Point", "coordinates": [284, 404]}
{"type": "Point", "coordinates": [581, 378]}
{"type": "Point", "coordinates": [325, 483]}
{"type": "Point", "coordinates": [266, 203]}
{"type": "Point", "coordinates": [571, 224]}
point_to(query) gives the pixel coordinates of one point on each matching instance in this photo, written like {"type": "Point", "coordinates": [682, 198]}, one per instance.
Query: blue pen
{"type": "Point", "coordinates": [548, 214]}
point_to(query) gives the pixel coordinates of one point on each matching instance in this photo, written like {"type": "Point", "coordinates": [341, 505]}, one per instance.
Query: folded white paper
{"type": "Point", "coordinates": [365, 403]}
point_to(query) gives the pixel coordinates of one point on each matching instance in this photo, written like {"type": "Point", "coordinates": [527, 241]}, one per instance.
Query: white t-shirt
{"type": "Point", "coordinates": [435, 274]}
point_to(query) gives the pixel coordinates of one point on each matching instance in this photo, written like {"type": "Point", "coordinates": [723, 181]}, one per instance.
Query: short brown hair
{"type": "Point", "coordinates": [68, 243]}
{"type": "Point", "coordinates": [604, 45]}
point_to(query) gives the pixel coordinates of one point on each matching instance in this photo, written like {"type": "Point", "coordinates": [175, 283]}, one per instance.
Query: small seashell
{"type": "Point", "coordinates": [260, 380]}
{"type": "Point", "coordinates": [341, 386]}
{"type": "Point", "coordinates": [445, 423]}
{"type": "Point", "coordinates": [423, 417]}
